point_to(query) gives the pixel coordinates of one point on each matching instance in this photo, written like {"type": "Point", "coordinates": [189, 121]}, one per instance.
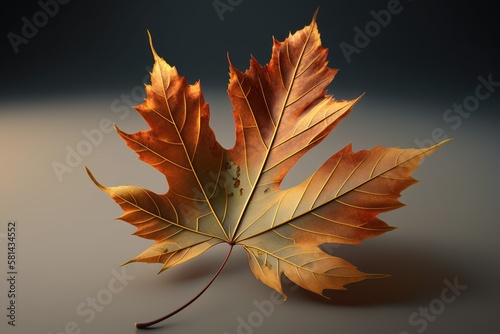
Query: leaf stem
{"type": "Point", "coordinates": [151, 323]}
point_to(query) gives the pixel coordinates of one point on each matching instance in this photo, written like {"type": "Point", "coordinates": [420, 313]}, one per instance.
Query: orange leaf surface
{"type": "Point", "coordinates": [234, 196]}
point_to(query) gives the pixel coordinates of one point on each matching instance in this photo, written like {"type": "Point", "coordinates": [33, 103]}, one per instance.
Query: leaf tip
{"type": "Point", "coordinates": [150, 38]}
{"type": "Point", "coordinates": [324, 294]}
{"type": "Point", "coordinates": [444, 141]}
{"type": "Point", "coordinates": [162, 269]}
{"type": "Point", "coordinates": [121, 133]}
{"type": "Point", "coordinates": [377, 276]}
{"type": "Point", "coordinates": [356, 100]}
{"type": "Point", "coordinates": [100, 186]}
{"type": "Point", "coordinates": [125, 263]}
{"type": "Point", "coordinates": [229, 61]}
{"type": "Point", "coordinates": [313, 21]}
{"type": "Point", "coordinates": [430, 149]}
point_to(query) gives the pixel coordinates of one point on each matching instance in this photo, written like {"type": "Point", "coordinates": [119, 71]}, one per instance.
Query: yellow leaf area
{"type": "Point", "coordinates": [217, 195]}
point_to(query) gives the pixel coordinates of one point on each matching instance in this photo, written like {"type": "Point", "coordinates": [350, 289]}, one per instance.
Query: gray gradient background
{"type": "Point", "coordinates": [66, 79]}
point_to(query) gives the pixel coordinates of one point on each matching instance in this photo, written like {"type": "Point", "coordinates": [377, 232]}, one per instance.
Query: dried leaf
{"type": "Point", "coordinates": [215, 195]}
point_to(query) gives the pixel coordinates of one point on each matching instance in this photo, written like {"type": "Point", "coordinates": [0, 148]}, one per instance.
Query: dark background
{"type": "Point", "coordinates": [431, 49]}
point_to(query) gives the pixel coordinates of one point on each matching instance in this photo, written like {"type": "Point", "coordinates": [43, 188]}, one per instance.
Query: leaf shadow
{"type": "Point", "coordinates": [417, 274]}
{"type": "Point", "coordinates": [205, 266]}
{"type": "Point", "coordinates": [162, 326]}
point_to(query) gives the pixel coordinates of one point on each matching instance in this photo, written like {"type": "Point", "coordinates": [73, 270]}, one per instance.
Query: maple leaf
{"type": "Point", "coordinates": [233, 196]}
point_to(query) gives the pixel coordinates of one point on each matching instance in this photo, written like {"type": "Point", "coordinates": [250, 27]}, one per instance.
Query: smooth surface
{"type": "Point", "coordinates": [69, 246]}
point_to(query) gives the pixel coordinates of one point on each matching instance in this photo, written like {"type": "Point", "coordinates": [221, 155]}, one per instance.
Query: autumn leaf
{"type": "Point", "coordinates": [234, 196]}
